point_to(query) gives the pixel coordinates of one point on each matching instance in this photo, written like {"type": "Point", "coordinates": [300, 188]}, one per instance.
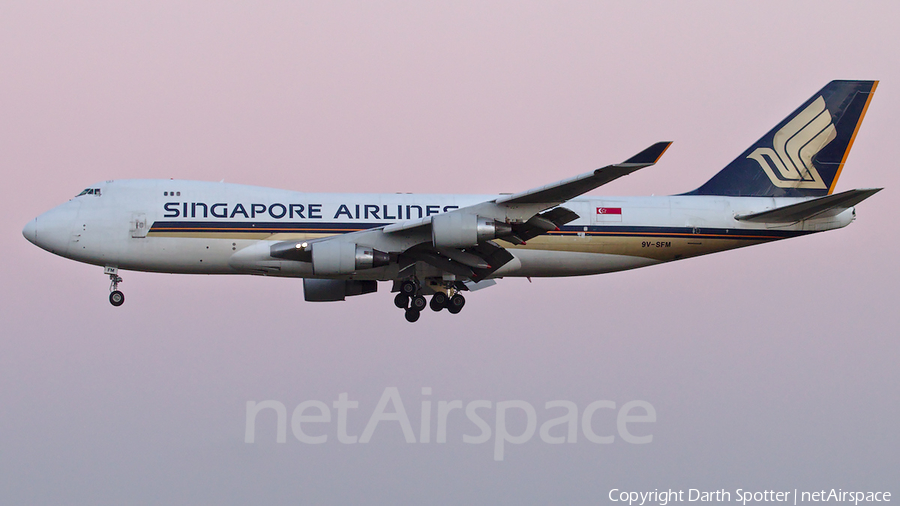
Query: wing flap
{"type": "Point", "coordinates": [540, 224]}
{"type": "Point", "coordinates": [487, 257]}
{"type": "Point", "coordinates": [431, 257]}
{"type": "Point", "coordinates": [467, 259]}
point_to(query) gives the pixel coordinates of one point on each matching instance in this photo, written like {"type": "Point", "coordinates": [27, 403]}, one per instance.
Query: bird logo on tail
{"type": "Point", "coordinates": [789, 162]}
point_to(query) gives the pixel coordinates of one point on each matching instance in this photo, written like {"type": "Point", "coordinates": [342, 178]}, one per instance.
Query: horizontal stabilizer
{"type": "Point", "coordinates": [811, 208]}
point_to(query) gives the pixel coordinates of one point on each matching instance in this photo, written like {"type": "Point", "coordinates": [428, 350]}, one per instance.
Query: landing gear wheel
{"type": "Point", "coordinates": [401, 300]}
{"type": "Point", "coordinates": [412, 315]}
{"type": "Point", "coordinates": [438, 302]}
{"type": "Point", "coordinates": [409, 288]}
{"type": "Point", "coordinates": [418, 303]}
{"type": "Point", "coordinates": [117, 298]}
{"type": "Point", "coordinates": [456, 304]}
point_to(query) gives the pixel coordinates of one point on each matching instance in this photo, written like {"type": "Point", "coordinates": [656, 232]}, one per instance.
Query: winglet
{"type": "Point", "coordinates": [650, 155]}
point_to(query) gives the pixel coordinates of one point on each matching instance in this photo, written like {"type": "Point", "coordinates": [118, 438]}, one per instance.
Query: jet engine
{"type": "Point", "coordinates": [459, 230]}
{"type": "Point", "coordinates": [331, 258]}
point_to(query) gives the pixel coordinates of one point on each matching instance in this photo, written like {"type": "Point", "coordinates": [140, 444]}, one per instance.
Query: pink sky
{"type": "Point", "coordinates": [772, 366]}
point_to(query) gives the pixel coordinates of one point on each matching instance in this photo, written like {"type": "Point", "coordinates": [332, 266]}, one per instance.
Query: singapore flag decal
{"type": "Point", "coordinates": [608, 214]}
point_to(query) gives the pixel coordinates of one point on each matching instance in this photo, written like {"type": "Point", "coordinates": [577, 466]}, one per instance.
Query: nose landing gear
{"type": "Point", "coordinates": [116, 298]}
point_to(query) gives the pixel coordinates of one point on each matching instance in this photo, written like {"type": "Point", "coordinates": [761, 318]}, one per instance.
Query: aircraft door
{"type": "Point", "coordinates": [138, 225]}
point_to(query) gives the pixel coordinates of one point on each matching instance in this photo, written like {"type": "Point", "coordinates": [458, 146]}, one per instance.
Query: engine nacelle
{"type": "Point", "coordinates": [332, 290]}
{"type": "Point", "coordinates": [331, 258]}
{"type": "Point", "coordinates": [459, 230]}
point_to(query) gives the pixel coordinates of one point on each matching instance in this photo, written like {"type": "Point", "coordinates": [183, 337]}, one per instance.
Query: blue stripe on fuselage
{"type": "Point", "coordinates": [189, 227]}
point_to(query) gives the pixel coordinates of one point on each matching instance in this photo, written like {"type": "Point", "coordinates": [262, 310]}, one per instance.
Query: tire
{"type": "Point", "coordinates": [456, 303]}
{"type": "Point", "coordinates": [412, 315]}
{"type": "Point", "coordinates": [438, 302]}
{"type": "Point", "coordinates": [418, 302]}
{"type": "Point", "coordinates": [117, 298]}
{"type": "Point", "coordinates": [408, 288]}
{"type": "Point", "coordinates": [401, 300]}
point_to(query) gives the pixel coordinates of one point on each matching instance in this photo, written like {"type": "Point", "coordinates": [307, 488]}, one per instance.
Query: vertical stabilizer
{"type": "Point", "coordinates": [804, 154]}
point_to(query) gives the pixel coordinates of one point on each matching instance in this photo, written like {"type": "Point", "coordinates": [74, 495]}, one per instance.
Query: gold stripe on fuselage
{"type": "Point", "coordinates": [658, 247]}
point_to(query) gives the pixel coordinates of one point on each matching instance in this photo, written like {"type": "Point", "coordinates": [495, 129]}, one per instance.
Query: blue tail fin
{"type": "Point", "coordinates": [804, 154]}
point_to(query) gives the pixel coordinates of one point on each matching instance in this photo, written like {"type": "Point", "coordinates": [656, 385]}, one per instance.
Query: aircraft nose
{"type": "Point", "coordinates": [30, 231]}
{"type": "Point", "coordinates": [53, 230]}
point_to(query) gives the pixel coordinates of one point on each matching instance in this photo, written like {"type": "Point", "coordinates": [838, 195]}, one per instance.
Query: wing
{"type": "Point", "coordinates": [521, 207]}
{"type": "Point", "coordinates": [461, 242]}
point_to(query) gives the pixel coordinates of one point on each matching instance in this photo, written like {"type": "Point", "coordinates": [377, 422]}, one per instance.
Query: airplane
{"type": "Point", "coordinates": [440, 246]}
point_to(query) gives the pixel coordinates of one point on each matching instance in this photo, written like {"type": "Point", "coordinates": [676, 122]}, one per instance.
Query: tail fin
{"type": "Point", "coordinates": [804, 154]}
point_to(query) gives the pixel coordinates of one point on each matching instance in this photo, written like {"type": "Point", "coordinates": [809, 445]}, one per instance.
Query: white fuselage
{"type": "Point", "coordinates": [219, 228]}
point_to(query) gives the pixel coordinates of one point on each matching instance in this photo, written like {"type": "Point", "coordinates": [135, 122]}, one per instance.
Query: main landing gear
{"type": "Point", "coordinates": [116, 298]}
{"type": "Point", "coordinates": [411, 300]}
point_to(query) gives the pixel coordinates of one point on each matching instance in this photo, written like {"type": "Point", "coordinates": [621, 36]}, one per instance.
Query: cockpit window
{"type": "Point", "coordinates": [90, 191]}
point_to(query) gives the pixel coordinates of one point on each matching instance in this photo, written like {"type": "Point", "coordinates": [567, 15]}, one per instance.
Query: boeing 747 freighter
{"type": "Point", "coordinates": [440, 246]}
